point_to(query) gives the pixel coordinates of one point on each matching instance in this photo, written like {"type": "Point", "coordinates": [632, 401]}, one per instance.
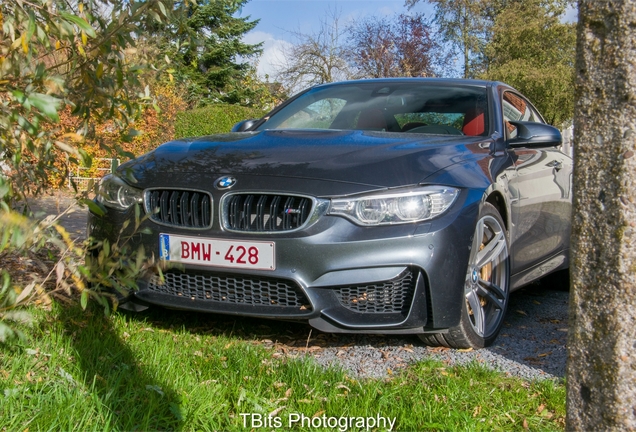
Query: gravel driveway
{"type": "Point", "coordinates": [532, 343]}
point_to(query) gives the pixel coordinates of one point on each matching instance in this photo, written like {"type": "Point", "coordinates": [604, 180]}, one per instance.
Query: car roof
{"type": "Point", "coordinates": [439, 81]}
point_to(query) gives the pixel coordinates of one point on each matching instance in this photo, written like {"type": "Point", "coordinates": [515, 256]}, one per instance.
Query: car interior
{"type": "Point", "coordinates": [396, 108]}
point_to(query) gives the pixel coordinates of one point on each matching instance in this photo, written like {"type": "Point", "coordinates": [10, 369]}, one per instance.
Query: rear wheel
{"type": "Point", "coordinates": [486, 288]}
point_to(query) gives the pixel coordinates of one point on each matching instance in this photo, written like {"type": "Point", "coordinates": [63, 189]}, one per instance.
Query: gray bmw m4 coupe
{"type": "Point", "coordinates": [383, 206]}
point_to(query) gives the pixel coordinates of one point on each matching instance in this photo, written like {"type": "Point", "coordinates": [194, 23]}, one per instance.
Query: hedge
{"type": "Point", "coordinates": [212, 119]}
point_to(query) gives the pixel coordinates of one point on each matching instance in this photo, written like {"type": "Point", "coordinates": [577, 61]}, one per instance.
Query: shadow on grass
{"type": "Point", "coordinates": [132, 397]}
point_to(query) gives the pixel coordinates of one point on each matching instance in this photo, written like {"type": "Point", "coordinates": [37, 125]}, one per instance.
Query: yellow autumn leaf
{"type": "Point", "coordinates": [25, 43]}
{"type": "Point", "coordinates": [74, 136]}
{"type": "Point", "coordinates": [58, 45]}
{"type": "Point", "coordinates": [84, 38]}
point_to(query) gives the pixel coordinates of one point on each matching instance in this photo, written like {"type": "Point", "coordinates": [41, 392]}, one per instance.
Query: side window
{"type": "Point", "coordinates": [516, 108]}
{"type": "Point", "coordinates": [317, 115]}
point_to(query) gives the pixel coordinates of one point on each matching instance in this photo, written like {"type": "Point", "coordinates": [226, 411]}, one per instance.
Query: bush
{"type": "Point", "coordinates": [212, 119]}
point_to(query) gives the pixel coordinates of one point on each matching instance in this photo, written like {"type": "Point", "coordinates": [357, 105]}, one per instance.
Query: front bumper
{"type": "Point", "coordinates": [337, 276]}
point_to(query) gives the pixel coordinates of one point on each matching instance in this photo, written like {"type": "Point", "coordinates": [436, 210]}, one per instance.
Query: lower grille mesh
{"type": "Point", "coordinates": [243, 290]}
{"type": "Point", "coordinates": [393, 296]}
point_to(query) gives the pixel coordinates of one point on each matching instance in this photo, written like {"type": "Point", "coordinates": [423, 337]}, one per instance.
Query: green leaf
{"type": "Point", "coordinates": [163, 9]}
{"type": "Point", "coordinates": [31, 27]}
{"type": "Point", "coordinates": [19, 95]}
{"type": "Point", "coordinates": [93, 207]}
{"type": "Point", "coordinates": [106, 246]}
{"type": "Point", "coordinates": [6, 280]}
{"type": "Point", "coordinates": [141, 257]}
{"type": "Point", "coordinates": [47, 104]}
{"type": "Point", "coordinates": [130, 134]}
{"type": "Point", "coordinates": [80, 23]}
{"type": "Point", "coordinates": [87, 160]}
{"type": "Point", "coordinates": [84, 299]}
{"type": "Point", "coordinates": [18, 316]}
{"type": "Point", "coordinates": [4, 190]}
{"type": "Point", "coordinates": [6, 332]}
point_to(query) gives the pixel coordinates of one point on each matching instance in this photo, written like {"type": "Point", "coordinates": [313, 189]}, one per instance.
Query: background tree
{"type": "Point", "coordinates": [404, 46]}
{"type": "Point", "coordinates": [315, 58]}
{"type": "Point", "coordinates": [601, 369]}
{"type": "Point", "coordinates": [203, 42]}
{"type": "Point", "coordinates": [463, 25]}
{"type": "Point", "coordinates": [533, 50]}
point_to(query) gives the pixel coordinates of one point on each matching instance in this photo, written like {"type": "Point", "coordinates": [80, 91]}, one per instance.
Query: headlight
{"type": "Point", "coordinates": [115, 193]}
{"type": "Point", "coordinates": [414, 205]}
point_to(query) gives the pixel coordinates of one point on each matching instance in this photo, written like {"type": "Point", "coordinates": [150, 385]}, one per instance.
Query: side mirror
{"type": "Point", "coordinates": [244, 125]}
{"type": "Point", "coordinates": [531, 134]}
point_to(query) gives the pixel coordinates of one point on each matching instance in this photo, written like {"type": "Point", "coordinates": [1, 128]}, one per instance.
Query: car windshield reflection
{"type": "Point", "coordinates": [395, 107]}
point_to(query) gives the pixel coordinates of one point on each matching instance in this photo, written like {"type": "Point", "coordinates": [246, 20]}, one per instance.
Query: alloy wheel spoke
{"type": "Point", "coordinates": [492, 250]}
{"type": "Point", "coordinates": [478, 312]}
{"type": "Point", "coordinates": [477, 241]}
{"type": "Point", "coordinates": [492, 293]}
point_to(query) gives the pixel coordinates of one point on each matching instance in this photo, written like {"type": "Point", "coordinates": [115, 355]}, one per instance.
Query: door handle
{"type": "Point", "coordinates": [557, 165]}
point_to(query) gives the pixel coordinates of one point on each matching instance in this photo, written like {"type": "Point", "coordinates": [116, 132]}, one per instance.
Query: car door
{"type": "Point", "coordinates": [542, 189]}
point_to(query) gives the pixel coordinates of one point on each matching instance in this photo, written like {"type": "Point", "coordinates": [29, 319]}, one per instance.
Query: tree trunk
{"type": "Point", "coordinates": [601, 371]}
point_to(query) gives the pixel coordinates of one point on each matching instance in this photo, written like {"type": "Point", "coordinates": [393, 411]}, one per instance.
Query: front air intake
{"type": "Point", "coordinates": [265, 212]}
{"type": "Point", "coordinates": [179, 208]}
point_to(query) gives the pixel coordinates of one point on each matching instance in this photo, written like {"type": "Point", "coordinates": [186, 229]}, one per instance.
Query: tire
{"type": "Point", "coordinates": [486, 288]}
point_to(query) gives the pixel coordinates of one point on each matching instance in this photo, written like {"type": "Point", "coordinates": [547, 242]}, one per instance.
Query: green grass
{"type": "Point", "coordinates": [166, 370]}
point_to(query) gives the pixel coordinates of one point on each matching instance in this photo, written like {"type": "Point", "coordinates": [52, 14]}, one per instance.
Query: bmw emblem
{"type": "Point", "coordinates": [225, 182]}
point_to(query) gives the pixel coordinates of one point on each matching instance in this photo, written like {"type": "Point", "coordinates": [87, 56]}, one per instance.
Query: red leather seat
{"type": "Point", "coordinates": [474, 122]}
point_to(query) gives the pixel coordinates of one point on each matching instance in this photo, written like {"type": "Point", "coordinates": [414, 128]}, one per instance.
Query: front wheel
{"type": "Point", "coordinates": [486, 288]}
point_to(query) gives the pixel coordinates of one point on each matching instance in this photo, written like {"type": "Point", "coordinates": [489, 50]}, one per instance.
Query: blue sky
{"type": "Point", "coordinates": [279, 18]}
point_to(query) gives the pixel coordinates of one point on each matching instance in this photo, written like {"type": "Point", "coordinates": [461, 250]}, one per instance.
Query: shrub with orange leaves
{"type": "Point", "coordinates": [154, 126]}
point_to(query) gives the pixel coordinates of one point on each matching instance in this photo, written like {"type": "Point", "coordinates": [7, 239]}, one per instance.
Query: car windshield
{"type": "Point", "coordinates": [391, 107]}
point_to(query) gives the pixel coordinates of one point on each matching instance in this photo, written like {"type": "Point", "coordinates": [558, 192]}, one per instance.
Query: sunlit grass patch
{"type": "Point", "coordinates": [165, 370]}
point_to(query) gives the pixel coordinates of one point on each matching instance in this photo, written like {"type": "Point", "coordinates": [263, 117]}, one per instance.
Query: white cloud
{"type": "Point", "coordinates": [273, 52]}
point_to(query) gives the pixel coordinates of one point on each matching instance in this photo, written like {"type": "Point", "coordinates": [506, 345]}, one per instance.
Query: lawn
{"type": "Point", "coordinates": [167, 370]}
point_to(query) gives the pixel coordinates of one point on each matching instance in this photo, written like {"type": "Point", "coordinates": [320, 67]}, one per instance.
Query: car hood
{"type": "Point", "coordinates": [378, 159]}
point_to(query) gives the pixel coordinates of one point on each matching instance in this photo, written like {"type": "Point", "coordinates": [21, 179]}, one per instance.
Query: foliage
{"type": "Point", "coordinates": [54, 53]}
{"type": "Point", "coordinates": [380, 47]}
{"type": "Point", "coordinates": [532, 50]}
{"type": "Point", "coordinates": [55, 56]}
{"type": "Point", "coordinates": [463, 24]}
{"type": "Point", "coordinates": [203, 42]}
{"type": "Point", "coordinates": [82, 269]}
{"type": "Point", "coordinates": [212, 119]}
{"type": "Point", "coordinates": [155, 125]}
{"type": "Point", "coordinates": [315, 58]}
{"type": "Point", "coordinates": [167, 370]}
{"type": "Point", "coordinates": [253, 92]}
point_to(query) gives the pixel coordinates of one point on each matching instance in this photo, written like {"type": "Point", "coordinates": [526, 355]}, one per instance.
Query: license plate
{"type": "Point", "coordinates": [218, 253]}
